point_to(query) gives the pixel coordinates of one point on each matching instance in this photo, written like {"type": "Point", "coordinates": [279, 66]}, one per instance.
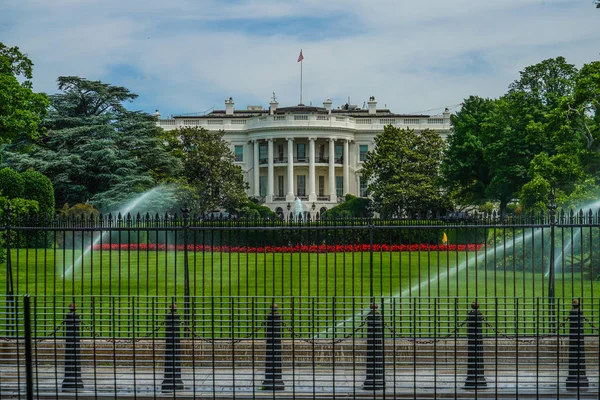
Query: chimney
{"type": "Point", "coordinates": [446, 114]}
{"type": "Point", "coordinates": [273, 106]}
{"type": "Point", "coordinates": [229, 106]}
{"type": "Point", "coordinates": [372, 105]}
{"type": "Point", "coordinates": [327, 105]}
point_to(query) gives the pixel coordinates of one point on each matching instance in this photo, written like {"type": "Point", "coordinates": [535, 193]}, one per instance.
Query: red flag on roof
{"type": "Point", "coordinates": [300, 57]}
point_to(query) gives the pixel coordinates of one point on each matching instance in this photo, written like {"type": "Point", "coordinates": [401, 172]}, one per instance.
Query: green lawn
{"type": "Point", "coordinates": [232, 291]}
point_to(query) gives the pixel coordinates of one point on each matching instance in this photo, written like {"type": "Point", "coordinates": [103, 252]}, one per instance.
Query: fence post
{"type": "Point", "coordinates": [10, 299]}
{"type": "Point", "coordinates": [551, 272]}
{"type": "Point", "coordinates": [172, 379]}
{"type": "Point", "coordinates": [375, 379]}
{"type": "Point", "coordinates": [72, 379]}
{"type": "Point", "coordinates": [577, 377]}
{"type": "Point", "coordinates": [273, 380]}
{"type": "Point", "coordinates": [28, 348]}
{"type": "Point", "coordinates": [475, 367]}
{"type": "Point", "coordinates": [186, 267]}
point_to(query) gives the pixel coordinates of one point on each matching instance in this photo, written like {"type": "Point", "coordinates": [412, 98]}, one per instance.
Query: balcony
{"type": "Point", "coordinates": [301, 160]}
{"type": "Point", "coordinates": [280, 160]}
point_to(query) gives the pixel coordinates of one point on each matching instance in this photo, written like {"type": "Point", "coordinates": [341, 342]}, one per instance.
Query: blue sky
{"type": "Point", "coordinates": [185, 56]}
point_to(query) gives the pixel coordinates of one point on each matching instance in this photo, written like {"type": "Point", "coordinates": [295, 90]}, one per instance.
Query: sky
{"type": "Point", "coordinates": [188, 56]}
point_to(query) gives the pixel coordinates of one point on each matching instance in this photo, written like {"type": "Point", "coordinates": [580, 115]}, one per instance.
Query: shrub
{"type": "Point", "coordinates": [251, 210]}
{"type": "Point", "coordinates": [78, 211]}
{"type": "Point", "coordinates": [37, 186]}
{"type": "Point", "coordinates": [11, 183]}
{"type": "Point", "coordinates": [352, 207]}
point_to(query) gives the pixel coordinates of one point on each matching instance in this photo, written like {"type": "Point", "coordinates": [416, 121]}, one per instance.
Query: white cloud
{"type": "Point", "coordinates": [190, 55]}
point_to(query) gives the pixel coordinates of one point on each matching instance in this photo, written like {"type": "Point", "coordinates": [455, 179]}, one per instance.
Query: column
{"type": "Point", "coordinates": [256, 170]}
{"type": "Point", "coordinates": [270, 172]}
{"type": "Point", "coordinates": [332, 194]}
{"type": "Point", "coordinates": [312, 193]}
{"type": "Point", "coordinates": [346, 164]}
{"type": "Point", "coordinates": [290, 176]}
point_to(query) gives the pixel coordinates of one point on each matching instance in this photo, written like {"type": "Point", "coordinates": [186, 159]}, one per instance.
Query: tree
{"type": "Point", "coordinates": [494, 141]}
{"type": "Point", "coordinates": [20, 108]}
{"type": "Point", "coordinates": [11, 183]}
{"type": "Point", "coordinates": [209, 173]}
{"type": "Point", "coordinates": [402, 172]}
{"type": "Point", "coordinates": [38, 187]}
{"type": "Point", "coordinates": [96, 149]}
{"type": "Point", "coordinates": [571, 171]}
{"type": "Point", "coordinates": [464, 170]}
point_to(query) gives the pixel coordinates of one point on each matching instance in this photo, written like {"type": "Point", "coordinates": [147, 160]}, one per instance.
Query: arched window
{"type": "Point", "coordinates": [322, 210]}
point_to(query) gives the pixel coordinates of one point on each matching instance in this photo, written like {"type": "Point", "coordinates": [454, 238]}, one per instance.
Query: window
{"type": "Point", "coordinates": [339, 186]}
{"type": "Point", "coordinates": [301, 152]}
{"type": "Point", "coordinates": [321, 185]}
{"type": "Point", "coordinates": [363, 187]}
{"type": "Point", "coordinates": [280, 152]}
{"type": "Point", "coordinates": [262, 154]}
{"type": "Point", "coordinates": [364, 149]}
{"type": "Point", "coordinates": [301, 185]}
{"type": "Point", "coordinates": [239, 153]}
{"type": "Point", "coordinates": [322, 157]}
{"type": "Point", "coordinates": [280, 185]}
{"type": "Point", "coordinates": [339, 153]}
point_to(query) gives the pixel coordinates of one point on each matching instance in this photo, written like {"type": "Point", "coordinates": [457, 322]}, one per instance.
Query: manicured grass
{"type": "Point", "coordinates": [232, 291]}
{"type": "Point", "coordinates": [160, 273]}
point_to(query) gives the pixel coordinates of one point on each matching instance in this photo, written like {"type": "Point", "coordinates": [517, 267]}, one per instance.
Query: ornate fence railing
{"type": "Point", "coordinates": [185, 306]}
{"type": "Point", "coordinates": [253, 347]}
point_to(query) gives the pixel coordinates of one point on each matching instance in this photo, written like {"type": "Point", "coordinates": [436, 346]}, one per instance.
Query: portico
{"type": "Point", "coordinates": [309, 175]}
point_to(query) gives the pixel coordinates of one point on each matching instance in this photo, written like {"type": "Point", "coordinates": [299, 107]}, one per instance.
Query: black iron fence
{"type": "Point", "coordinates": [253, 347]}
{"type": "Point", "coordinates": [141, 305]}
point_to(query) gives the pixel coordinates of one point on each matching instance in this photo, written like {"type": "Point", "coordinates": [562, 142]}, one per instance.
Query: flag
{"type": "Point", "coordinates": [444, 238]}
{"type": "Point", "coordinates": [300, 57]}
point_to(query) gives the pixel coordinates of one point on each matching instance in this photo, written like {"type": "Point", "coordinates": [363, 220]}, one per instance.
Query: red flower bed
{"type": "Point", "coordinates": [322, 248]}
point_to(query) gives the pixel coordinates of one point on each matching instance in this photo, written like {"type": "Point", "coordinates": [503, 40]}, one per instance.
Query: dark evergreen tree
{"type": "Point", "coordinates": [96, 150]}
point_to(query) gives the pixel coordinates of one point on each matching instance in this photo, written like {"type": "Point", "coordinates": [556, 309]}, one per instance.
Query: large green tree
{"type": "Point", "coordinates": [402, 171]}
{"type": "Point", "coordinates": [20, 108]}
{"type": "Point", "coordinates": [95, 149]}
{"type": "Point", "coordinates": [494, 142]}
{"type": "Point", "coordinates": [209, 172]}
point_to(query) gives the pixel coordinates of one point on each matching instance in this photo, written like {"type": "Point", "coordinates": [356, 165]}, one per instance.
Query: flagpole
{"type": "Point", "coordinates": [301, 77]}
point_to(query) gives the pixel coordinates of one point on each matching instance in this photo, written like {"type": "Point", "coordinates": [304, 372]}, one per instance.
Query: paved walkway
{"type": "Point", "coordinates": [300, 383]}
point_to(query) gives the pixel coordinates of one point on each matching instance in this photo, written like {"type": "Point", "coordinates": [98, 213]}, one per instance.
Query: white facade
{"type": "Point", "coordinates": [313, 153]}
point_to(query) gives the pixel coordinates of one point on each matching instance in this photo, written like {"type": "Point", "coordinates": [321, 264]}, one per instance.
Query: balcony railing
{"type": "Point", "coordinates": [338, 121]}
{"type": "Point", "coordinates": [301, 159]}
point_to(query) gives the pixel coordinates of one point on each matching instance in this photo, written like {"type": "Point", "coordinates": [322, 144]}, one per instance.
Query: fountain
{"type": "Point", "coordinates": [298, 209]}
{"type": "Point", "coordinates": [159, 198]}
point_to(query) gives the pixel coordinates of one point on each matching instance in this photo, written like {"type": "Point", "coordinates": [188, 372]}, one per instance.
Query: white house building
{"type": "Point", "coordinates": [306, 152]}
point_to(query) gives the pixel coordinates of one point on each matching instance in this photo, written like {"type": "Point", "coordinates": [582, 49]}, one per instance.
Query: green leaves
{"type": "Point", "coordinates": [209, 173]}
{"type": "Point", "coordinates": [96, 150]}
{"type": "Point", "coordinates": [21, 109]}
{"type": "Point", "coordinates": [402, 171]}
